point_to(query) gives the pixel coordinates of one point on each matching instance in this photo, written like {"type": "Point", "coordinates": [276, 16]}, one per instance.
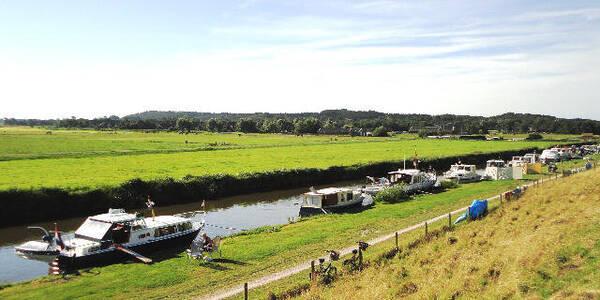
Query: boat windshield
{"type": "Point", "coordinates": [93, 229]}
{"type": "Point", "coordinates": [404, 178]}
{"type": "Point", "coordinates": [495, 164]}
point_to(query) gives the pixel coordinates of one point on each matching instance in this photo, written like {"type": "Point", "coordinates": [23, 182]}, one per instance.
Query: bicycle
{"type": "Point", "coordinates": [328, 272]}
{"type": "Point", "coordinates": [355, 263]}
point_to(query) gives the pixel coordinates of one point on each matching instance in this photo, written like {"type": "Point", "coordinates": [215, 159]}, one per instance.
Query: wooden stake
{"type": "Point", "coordinates": [397, 241]}
{"type": "Point", "coordinates": [312, 270]}
{"type": "Point", "coordinates": [245, 291]}
{"type": "Point", "coordinates": [449, 220]}
{"type": "Point", "coordinates": [426, 231]}
{"type": "Point", "coordinates": [360, 258]}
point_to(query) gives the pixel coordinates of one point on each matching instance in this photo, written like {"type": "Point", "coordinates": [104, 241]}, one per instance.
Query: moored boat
{"type": "Point", "coordinates": [462, 173]}
{"type": "Point", "coordinates": [333, 199]}
{"type": "Point", "coordinates": [496, 169]}
{"type": "Point", "coordinates": [116, 235]}
{"type": "Point", "coordinates": [414, 180]}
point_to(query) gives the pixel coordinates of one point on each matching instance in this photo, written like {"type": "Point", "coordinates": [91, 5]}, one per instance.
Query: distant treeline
{"type": "Point", "coordinates": [326, 122]}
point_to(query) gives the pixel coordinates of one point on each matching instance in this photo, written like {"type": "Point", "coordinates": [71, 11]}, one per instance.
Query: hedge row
{"type": "Point", "coordinates": [29, 206]}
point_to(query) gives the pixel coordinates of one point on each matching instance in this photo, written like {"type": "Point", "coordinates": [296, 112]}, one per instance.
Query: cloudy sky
{"type": "Point", "coordinates": [95, 58]}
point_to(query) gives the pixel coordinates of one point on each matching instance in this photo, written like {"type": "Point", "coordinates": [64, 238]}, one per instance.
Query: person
{"type": "Point", "coordinates": [208, 243]}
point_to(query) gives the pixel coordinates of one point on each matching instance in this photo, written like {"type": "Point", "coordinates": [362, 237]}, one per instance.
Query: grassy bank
{"type": "Point", "coordinates": [253, 255]}
{"type": "Point", "coordinates": [544, 245]}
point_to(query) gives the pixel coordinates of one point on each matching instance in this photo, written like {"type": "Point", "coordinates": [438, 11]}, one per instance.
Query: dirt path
{"type": "Point", "coordinates": [230, 292]}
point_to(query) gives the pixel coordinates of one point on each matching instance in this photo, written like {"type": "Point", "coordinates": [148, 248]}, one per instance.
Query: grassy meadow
{"type": "Point", "coordinates": [249, 256]}
{"type": "Point", "coordinates": [32, 158]}
{"type": "Point", "coordinates": [543, 245]}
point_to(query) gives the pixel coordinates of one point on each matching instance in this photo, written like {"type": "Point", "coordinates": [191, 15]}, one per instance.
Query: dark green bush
{"type": "Point", "coordinates": [393, 194]}
{"type": "Point", "coordinates": [448, 184]}
{"type": "Point", "coordinates": [534, 136]}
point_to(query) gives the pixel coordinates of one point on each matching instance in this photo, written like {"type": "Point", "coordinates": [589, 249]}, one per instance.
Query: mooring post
{"type": "Point", "coordinates": [245, 291]}
{"type": "Point", "coordinates": [449, 220]}
{"type": "Point", "coordinates": [397, 241]}
{"type": "Point", "coordinates": [425, 228]}
{"type": "Point", "coordinates": [360, 258]}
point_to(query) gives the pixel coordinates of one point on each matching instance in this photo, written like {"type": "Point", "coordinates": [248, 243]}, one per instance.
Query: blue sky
{"type": "Point", "coordinates": [95, 58]}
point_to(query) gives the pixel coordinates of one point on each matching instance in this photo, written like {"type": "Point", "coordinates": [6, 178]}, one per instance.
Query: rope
{"type": "Point", "coordinates": [225, 227]}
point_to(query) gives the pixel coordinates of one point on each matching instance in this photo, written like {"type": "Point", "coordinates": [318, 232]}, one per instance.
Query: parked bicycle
{"type": "Point", "coordinates": [355, 262]}
{"type": "Point", "coordinates": [328, 272]}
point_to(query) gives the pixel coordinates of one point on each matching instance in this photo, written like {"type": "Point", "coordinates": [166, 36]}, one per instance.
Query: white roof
{"type": "Point", "coordinates": [114, 216]}
{"type": "Point", "coordinates": [411, 172]}
{"type": "Point", "coordinates": [163, 221]}
{"type": "Point", "coordinates": [329, 190]}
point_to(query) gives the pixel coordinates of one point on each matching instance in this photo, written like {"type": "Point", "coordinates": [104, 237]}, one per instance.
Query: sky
{"type": "Point", "coordinates": [97, 58]}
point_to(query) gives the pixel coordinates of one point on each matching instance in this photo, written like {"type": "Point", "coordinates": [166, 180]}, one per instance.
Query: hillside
{"type": "Point", "coordinates": [338, 121]}
{"type": "Point", "coordinates": [542, 245]}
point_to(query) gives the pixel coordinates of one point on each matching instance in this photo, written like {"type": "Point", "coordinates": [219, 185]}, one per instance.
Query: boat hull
{"type": "Point", "coordinates": [365, 202]}
{"type": "Point", "coordinates": [111, 256]}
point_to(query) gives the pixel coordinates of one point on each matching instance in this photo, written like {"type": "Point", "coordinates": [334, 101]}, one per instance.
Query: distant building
{"type": "Point", "coordinates": [588, 136]}
{"type": "Point", "coordinates": [435, 129]}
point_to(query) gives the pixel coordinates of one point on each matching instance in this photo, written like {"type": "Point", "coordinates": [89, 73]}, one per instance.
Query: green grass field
{"type": "Point", "coordinates": [83, 160]}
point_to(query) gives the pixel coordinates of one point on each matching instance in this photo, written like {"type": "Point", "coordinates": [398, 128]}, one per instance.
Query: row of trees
{"type": "Point", "coordinates": [329, 121]}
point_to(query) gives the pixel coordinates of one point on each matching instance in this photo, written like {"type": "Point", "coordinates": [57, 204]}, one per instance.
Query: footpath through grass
{"type": "Point", "coordinates": [543, 245]}
{"type": "Point", "coordinates": [249, 256]}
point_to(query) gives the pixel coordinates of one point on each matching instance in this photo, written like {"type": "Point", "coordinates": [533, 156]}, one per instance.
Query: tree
{"type": "Point", "coordinates": [184, 124]}
{"type": "Point", "coordinates": [380, 131]}
{"type": "Point", "coordinates": [308, 125]}
{"type": "Point", "coordinates": [246, 125]}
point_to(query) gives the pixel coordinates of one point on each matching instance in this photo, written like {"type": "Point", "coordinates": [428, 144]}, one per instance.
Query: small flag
{"type": "Point", "coordinates": [58, 237]}
{"type": "Point", "coordinates": [149, 203]}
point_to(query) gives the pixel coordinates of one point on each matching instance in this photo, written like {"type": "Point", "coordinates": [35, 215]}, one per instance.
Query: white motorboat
{"type": "Point", "coordinates": [116, 235]}
{"type": "Point", "coordinates": [550, 155]}
{"type": "Point", "coordinates": [531, 158]}
{"type": "Point", "coordinates": [462, 173]}
{"type": "Point", "coordinates": [414, 180]}
{"type": "Point", "coordinates": [497, 170]}
{"type": "Point", "coordinates": [333, 199]}
{"type": "Point", "coordinates": [517, 161]}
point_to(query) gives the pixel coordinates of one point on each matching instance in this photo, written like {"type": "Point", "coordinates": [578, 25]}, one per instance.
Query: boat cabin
{"type": "Point", "coordinates": [407, 176]}
{"type": "Point", "coordinates": [463, 168]}
{"type": "Point", "coordinates": [328, 197]}
{"type": "Point", "coordinates": [531, 158]}
{"type": "Point", "coordinates": [118, 227]}
{"type": "Point", "coordinates": [495, 164]}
